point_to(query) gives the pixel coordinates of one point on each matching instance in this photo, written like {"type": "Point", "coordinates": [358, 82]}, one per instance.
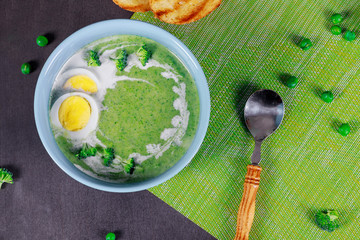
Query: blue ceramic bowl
{"type": "Point", "coordinates": [87, 35]}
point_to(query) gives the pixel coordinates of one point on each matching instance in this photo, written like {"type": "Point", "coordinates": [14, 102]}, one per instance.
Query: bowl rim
{"type": "Point", "coordinates": [75, 42]}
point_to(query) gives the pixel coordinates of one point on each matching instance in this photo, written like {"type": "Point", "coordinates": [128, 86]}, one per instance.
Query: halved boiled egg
{"type": "Point", "coordinates": [76, 114]}
{"type": "Point", "coordinates": [80, 79]}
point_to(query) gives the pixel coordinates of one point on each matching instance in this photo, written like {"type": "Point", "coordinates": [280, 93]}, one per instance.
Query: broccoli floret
{"type": "Point", "coordinates": [5, 176]}
{"type": "Point", "coordinates": [86, 151]}
{"type": "Point", "coordinates": [144, 54]}
{"type": "Point", "coordinates": [327, 220]}
{"type": "Point", "coordinates": [120, 62]}
{"type": "Point", "coordinates": [108, 156]}
{"type": "Point", "coordinates": [93, 59]}
{"type": "Point", "coordinates": [129, 166]}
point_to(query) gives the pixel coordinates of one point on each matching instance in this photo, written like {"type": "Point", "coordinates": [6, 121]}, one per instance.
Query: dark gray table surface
{"type": "Point", "coordinates": [44, 202]}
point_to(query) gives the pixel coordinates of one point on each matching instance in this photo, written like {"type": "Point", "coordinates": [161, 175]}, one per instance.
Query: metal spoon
{"type": "Point", "coordinates": [264, 111]}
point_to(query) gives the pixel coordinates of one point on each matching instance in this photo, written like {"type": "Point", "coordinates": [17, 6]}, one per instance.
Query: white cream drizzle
{"type": "Point", "coordinates": [106, 76]}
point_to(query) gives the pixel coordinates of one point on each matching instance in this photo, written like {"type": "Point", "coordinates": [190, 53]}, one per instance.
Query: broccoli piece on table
{"type": "Point", "coordinates": [129, 166]}
{"type": "Point", "coordinates": [5, 176]}
{"type": "Point", "coordinates": [120, 62]}
{"type": "Point", "coordinates": [93, 59]}
{"type": "Point", "coordinates": [327, 220]}
{"type": "Point", "coordinates": [144, 54]}
{"type": "Point", "coordinates": [108, 156]}
{"type": "Point", "coordinates": [86, 151]}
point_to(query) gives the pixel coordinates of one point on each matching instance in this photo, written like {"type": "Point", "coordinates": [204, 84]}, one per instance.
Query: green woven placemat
{"type": "Point", "coordinates": [247, 45]}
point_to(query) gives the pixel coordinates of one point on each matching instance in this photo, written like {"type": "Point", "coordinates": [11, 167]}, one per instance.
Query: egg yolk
{"type": "Point", "coordinates": [81, 82]}
{"type": "Point", "coordinates": [74, 113]}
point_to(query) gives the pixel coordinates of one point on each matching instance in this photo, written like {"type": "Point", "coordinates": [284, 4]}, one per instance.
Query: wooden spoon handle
{"type": "Point", "coordinates": [247, 205]}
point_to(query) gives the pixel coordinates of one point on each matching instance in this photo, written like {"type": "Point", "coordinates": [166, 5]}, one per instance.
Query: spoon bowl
{"type": "Point", "coordinates": [264, 111]}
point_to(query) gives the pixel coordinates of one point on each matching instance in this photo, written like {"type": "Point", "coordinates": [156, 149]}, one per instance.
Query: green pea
{"type": "Point", "coordinates": [336, 18]}
{"type": "Point", "coordinates": [344, 129]}
{"type": "Point", "coordinates": [291, 82]}
{"type": "Point", "coordinates": [327, 97]}
{"type": "Point", "coordinates": [305, 44]}
{"type": "Point", "coordinates": [110, 236]}
{"type": "Point", "coordinates": [25, 68]}
{"type": "Point", "coordinates": [42, 41]}
{"type": "Point", "coordinates": [349, 36]}
{"type": "Point", "coordinates": [336, 30]}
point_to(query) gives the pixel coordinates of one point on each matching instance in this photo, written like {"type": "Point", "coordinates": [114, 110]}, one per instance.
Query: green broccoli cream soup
{"type": "Point", "coordinates": [124, 109]}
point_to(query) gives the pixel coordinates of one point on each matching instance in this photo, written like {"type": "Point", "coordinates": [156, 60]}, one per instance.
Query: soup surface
{"type": "Point", "coordinates": [124, 109]}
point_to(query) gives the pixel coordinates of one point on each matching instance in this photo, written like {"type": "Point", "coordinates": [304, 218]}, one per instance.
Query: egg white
{"type": "Point", "coordinates": [80, 134]}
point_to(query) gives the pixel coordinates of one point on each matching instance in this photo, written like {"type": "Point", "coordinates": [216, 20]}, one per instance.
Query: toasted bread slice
{"type": "Point", "coordinates": [182, 11]}
{"type": "Point", "coordinates": [176, 11]}
{"type": "Point", "coordinates": [134, 5]}
{"type": "Point", "coordinates": [210, 6]}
